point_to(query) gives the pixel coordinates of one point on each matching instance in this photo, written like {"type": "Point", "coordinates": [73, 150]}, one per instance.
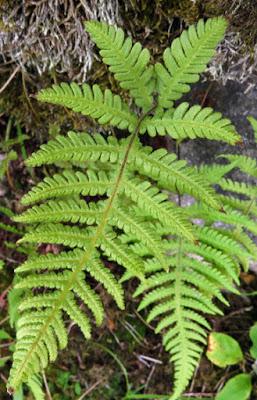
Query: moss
{"type": "Point", "coordinates": [18, 101]}
{"type": "Point", "coordinates": [155, 24]}
{"type": "Point", "coordinates": [163, 20]}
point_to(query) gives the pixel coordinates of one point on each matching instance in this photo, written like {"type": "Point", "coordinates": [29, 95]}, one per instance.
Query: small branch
{"type": "Point", "coordinates": [89, 390]}
{"type": "Point", "coordinates": [46, 386]}
{"type": "Point", "coordinates": [10, 78]}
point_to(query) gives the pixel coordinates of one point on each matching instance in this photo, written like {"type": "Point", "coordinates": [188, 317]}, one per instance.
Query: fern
{"type": "Point", "coordinates": [128, 62]}
{"type": "Point", "coordinates": [191, 123]}
{"type": "Point", "coordinates": [186, 58]}
{"type": "Point", "coordinates": [116, 200]}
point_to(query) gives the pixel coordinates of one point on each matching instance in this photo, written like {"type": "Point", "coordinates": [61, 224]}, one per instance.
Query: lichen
{"type": "Point", "coordinates": [50, 35]}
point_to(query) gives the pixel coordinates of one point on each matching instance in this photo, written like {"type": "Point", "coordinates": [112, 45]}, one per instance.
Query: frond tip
{"type": "Point", "coordinates": [186, 58]}
{"type": "Point", "coordinates": [128, 62]}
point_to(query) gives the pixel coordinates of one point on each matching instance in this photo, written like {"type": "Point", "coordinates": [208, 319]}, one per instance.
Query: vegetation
{"type": "Point", "coordinates": [116, 201]}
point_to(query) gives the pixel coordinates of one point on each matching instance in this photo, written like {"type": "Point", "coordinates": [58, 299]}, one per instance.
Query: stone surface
{"type": "Point", "coordinates": [234, 104]}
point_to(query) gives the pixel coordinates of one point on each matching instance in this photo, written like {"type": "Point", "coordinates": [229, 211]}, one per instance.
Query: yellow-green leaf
{"type": "Point", "coordinates": [223, 350]}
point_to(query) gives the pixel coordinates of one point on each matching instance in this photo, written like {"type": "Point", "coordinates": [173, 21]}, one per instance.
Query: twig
{"type": "Point", "coordinates": [10, 78]}
{"type": "Point", "coordinates": [3, 378]}
{"type": "Point", "coordinates": [206, 94]}
{"type": "Point", "coordinates": [4, 320]}
{"type": "Point", "coordinates": [89, 390]}
{"type": "Point", "coordinates": [46, 386]}
{"type": "Point", "coordinates": [27, 96]}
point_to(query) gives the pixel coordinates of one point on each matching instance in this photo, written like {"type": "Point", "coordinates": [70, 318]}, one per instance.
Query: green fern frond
{"type": "Point", "coordinates": [71, 210]}
{"type": "Point", "coordinates": [77, 147]}
{"type": "Point", "coordinates": [179, 299]}
{"type": "Point", "coordinates": [173, 174]}
{"type": "Point", "coordinates": [253, 122]}
{"type": "Point", "coordinates": [238, 187]}
{"type": "Point", "coordinates": [228, 216]}
{"type": "Point", "coordinates": [186, 58]}
{"type": "Point", "coordinates": [69, 183]}
{"type": "Point", "coordinates": [246, 164]}
{"type": "Point", "coordinates": [155, 204]}
{"type": "Point", "coordinates": [106, 107]}
{"type": "Point", "coordinates": [115, 202]}
{"type": "Point", "coordinates": [128, 62]}
{"type": "Point", "coordinates": [191, 122]}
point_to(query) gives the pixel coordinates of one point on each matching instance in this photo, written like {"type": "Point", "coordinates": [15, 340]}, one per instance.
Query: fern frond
{"type": "Point", "coordinates": [173, 174]}
{"type": "Point", "coordinates": [246, 164]}
{"type": "Point", "coordinates": [238, 187]}
{"type": "Point", "coordinates": [70, 210]}
{"type": "Point", "coordinates": [115, 203]}
{"type": "Point", "coordinates": [253, 122]}
{"type": "Point", "coordinates": [77, 147]}
{"type": "Point", "coordinates": [228, 216]}
{"type": "Point", "coordinates": [70, 260]}
{"type": "Point", "coordinates": [128, 62]}
{"type": "Point", "coordinates": [181, 297]}
{"type": "Point", "coordinates": [155, 204]}
{"type": "Point", "coordinates": [191, 122]}
{"type": "Point", "coordinates": [69, 183]}
{"type": "Point", "coordinates": [106, 107]}
{"type": "Point", "coordinates": [217, 239]}
{"type": "Point", "coordinates": [187, 57]}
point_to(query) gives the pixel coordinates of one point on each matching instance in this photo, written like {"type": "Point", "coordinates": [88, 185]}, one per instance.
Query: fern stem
{"type": "Point", "coordinates": [99, 231]}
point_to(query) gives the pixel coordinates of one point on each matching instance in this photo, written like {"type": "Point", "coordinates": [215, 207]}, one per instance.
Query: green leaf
{"type": "Point", "coordinates": [4, 335]}
{"type": "Point", "coordinates": [253, 122]}
{"type": "Point", "coordinates": [237, 388]}
{"type": "Point", "coordinates": [253, 336]}
{"type": "Point", "coordinates": [3, 361]}
{"type": "Point", "coordinates": [223, 350]}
